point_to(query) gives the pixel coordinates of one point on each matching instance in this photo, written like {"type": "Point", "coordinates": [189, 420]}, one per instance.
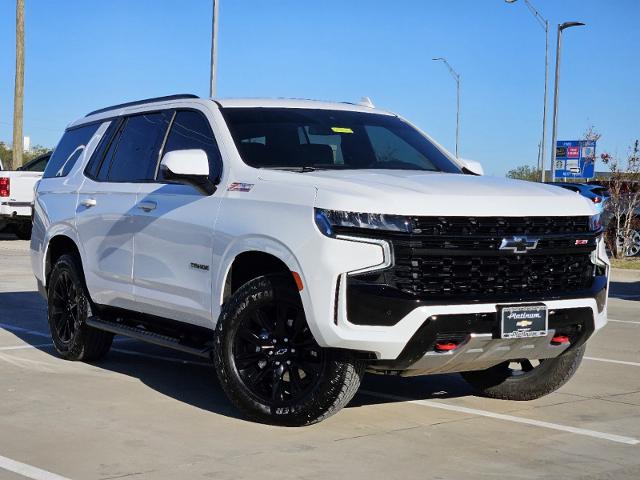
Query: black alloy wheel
{"type": "Point", "coordinates": [68, 309]}
{"type": "Point", "coordinates": [270, 365]}
{"type": "Point", "coordinates": [67, 304]}
{"type": "Point", "coordinates": [275, 353]}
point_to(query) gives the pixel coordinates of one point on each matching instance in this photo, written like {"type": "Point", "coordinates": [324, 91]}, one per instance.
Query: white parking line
{"type": "Point", "coordinates": [25, 347]}
{"type": "Point", "coordinates": [608, 360]}
{"type": "Point", "coordinates": [28, 471]}
{"type": "Point", "coordinates": [623, 321]}
{"type": "Point", "coordinates": [510, 418]}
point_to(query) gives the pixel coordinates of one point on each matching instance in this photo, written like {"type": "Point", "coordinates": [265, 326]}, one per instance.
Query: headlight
{"type": "Point", "coordinates": [595, 223]}
{"type": "Point", "coordinates": [330, 220]}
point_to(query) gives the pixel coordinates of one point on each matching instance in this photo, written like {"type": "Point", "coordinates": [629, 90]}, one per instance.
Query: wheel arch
{"type": "Point", "coordinates": [253, 257]}
{"type": "Point", "coordinates": [57, 246]}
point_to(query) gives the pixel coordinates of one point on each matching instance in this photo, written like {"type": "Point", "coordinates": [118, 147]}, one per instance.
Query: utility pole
{"type": "Point", "coordinates": [544, 23]}
{"type": "Point", "coordinates": [18, 97]}
{"type": "Point", "coordinates": [214, 49]}
{"type": "Point", "coordinates": [456, 77]}
{"type": "Point", "coordinates": [556, 92]}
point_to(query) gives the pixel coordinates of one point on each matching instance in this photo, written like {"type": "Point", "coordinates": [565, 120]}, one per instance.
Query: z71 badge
{"type": "Point", "coordinates": [240, 187]}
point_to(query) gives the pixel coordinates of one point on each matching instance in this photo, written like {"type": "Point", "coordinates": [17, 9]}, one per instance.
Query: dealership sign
{"type": "Point", "coordinates": [575, 159]}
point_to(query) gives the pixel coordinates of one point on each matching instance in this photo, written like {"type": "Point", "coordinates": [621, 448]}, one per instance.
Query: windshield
{"type": "Point", "coordinates": [308, 139]}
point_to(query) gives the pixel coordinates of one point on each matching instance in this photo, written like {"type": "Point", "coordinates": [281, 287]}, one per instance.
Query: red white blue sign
{"type": "Point", "coordinates": [575, 159]}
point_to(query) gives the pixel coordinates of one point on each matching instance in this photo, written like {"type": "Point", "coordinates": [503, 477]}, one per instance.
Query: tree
{"type": "Point", "coordinates": [624, 199]}
{"type": "Point", "coordinates": [18, 97]}
{"type": "Point", "coordinates": [524, 172]}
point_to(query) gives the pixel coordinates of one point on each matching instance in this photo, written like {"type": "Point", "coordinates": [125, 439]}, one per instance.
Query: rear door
{"type": "Point", "coordinates": [106, 205]}
{"type": "Point", "coordinates": [174, 232]}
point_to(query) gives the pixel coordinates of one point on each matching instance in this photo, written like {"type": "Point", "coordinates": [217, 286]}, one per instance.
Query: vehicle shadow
{"type": "Point", "coordinates": [625, 290]}
{"type": "Point", "coordinates": [5, 235]}
{"type": "Point", "coordinates": [192, 380]}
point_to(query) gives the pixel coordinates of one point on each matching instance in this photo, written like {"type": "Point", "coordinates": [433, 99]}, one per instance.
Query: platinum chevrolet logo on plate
{"type": "Point", "coordinates": [524, 321]}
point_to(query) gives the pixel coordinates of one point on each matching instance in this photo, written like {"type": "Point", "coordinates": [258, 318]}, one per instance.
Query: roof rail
{"type": "Point", "coordinates": [142, 102]}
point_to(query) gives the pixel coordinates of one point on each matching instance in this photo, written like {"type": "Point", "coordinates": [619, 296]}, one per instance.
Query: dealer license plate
{"type": "Point", "coordinates": [524, 321]}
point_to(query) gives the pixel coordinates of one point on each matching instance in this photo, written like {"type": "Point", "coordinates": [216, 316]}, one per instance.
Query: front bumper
{"type": "Point", "coordinates": [391, 342]}
{"type": "Point", "coordinates": [479, 343]}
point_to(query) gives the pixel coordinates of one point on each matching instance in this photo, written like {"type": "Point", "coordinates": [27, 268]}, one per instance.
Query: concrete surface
{"type": "Point", "coordinates": [147, 413]}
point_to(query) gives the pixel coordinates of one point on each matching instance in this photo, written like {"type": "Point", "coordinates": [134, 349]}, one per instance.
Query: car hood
{"type": "Point", "coordinates": [405, 192]}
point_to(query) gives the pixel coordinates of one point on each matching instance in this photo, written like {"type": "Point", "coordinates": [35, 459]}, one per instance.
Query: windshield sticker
{"type": "Point", "coordinates": [240, 187]}
{"type": "Point", "coordinates": [341, 130]}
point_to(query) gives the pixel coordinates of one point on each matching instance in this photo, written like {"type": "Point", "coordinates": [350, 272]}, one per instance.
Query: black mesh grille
{"type": "Point", "coordinates": [492, 275]}
{"type": "Point", "coordinates": [500, 226]}
{"type": "Point", "coordinates": [451, 256]}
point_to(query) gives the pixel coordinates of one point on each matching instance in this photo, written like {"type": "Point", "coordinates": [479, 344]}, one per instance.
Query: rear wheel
{"type": "Point", "coordinates": [269, 364]}
{"type": "Point", "coordinates": [68, 309]}
{"type": "Point", "coordinates": [526, 379]}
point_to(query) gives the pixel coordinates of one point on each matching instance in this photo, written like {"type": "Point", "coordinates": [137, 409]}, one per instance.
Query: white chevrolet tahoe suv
{"type": "Point", "coordinates": [299, 244]}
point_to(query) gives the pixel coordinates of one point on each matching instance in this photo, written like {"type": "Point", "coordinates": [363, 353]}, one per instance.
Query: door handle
{"type": "Point", "coordinates": [147, 206]}
{"type": "Point", "coordinates": [88, 202]}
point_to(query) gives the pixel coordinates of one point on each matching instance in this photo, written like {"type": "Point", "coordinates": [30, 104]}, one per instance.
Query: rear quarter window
{"type": "Point", "coordinates": [69, 149]}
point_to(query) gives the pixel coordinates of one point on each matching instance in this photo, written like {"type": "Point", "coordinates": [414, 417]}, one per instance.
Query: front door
{"type": "Point", "coordinates": [174, 225]}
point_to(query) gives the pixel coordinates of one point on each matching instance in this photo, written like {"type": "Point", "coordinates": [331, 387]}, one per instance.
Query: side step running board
{"type": "Point", "coordinates": [147, 336]}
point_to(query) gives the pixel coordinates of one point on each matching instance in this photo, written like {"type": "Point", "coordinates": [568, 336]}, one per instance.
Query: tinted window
{"type": "Point", "coordinates": [37, 165]}
{"type": "Point", "coordinates": [331, 139]}
{"type": "Point", "coordinates": [190, 130]}
{"type": "Point", "coordinates": [70, 148]}
{"type": "Point", "coordinates": [98, 154]}
{"type": "Point", "coordinates": [133, 156]}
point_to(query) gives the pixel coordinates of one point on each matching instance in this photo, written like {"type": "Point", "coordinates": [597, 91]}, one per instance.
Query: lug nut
{"type": "Point", "coordinates": [277, 363]}
{"type": "Point", "coordinates": [271, 352]}
{"type": "Point", "coordinates": [293, 350]}
{"type": "Point", "coordinates": [288, 362]}
{"type": "Point", "coordinates": [274, 341]}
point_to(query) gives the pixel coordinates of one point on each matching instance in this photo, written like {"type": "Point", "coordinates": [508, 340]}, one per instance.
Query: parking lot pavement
{"type": "Point", "coordinates": [148, 413]}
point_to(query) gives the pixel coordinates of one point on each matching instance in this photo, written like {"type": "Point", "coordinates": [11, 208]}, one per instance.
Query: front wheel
{"type": "Point", "coordinates": [268, 362]}
{"type": "Point", "coordinates": [526, 379]}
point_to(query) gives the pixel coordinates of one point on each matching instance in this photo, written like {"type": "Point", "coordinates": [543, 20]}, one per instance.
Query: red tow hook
{"type": "Point", "coordinates": [445, 346]}
{"type": "Point", "coordinates": [559, 340]}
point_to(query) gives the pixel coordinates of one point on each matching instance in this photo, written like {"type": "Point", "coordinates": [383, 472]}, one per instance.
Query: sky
{"type": "Point", "coordinates": [86, 54]}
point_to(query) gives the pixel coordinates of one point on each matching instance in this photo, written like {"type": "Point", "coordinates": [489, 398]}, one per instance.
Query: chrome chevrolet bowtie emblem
{"type": "Point", "coordinates": [519, 244]}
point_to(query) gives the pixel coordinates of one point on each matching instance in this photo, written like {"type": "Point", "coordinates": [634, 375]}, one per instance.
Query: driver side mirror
{"type": "Point", "coordinates": [189, 167]}
{"type": "Point", "coordinates": [472, 167]}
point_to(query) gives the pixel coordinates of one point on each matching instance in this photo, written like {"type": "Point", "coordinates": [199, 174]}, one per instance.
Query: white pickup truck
{"type": "Point", "coordinates": [16, 195]}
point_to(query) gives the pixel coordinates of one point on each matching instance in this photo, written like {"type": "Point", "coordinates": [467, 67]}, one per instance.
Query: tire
{"type": "Point", "coordinates": [22, 230]}
{"type": "Point", "coordinates": [259, 330]}
{"type": "Point", "coordinates": [68, 308]}
{"type": "Point", "coordinates": [501, 382]}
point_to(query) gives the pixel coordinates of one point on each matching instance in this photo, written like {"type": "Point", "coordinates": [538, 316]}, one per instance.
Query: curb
{"type": "Point", "coordinates": [627, 275]}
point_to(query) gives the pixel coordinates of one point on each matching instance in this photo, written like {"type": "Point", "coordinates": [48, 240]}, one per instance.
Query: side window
{"type": "Point", "coordinates": [37, 165]}
{"type": "Point", "coordinates": [191, 130]}
{"type": "Point", "coordinates": [93, 165]}
{"type": "Point", "coordinates": [70, 148]}
{"type": "Point", "coordinates": [133, 156]}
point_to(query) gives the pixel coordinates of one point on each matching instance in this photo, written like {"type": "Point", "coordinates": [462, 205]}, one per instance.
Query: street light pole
{"type": "Point", "coordinates": [214, 49]}
{"type": "Point", "coordinates": [456, 77]}
{"type": "Point", "coordinates": [554, 137]}
{"type": "Point", "coordinates": [544, 23]}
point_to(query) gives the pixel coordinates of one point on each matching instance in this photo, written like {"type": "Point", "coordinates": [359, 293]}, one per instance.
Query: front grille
{"type": "Point", "coordinates": [500, 226]}
{"type": "Point", "coordinates": [445, 257]}
{"type": "Point", "coordinates": [492, 275]}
